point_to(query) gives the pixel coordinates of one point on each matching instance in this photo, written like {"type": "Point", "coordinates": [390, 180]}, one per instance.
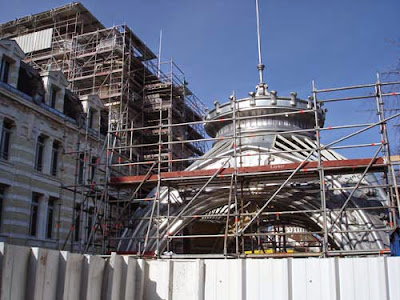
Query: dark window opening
{"type": "Point", "coordinates": [5, 141]}
{"type": "Point", "coordinates": [93, 167]}
{"type": "Point", "coordinates": [5, 70]}
{"type": "Point", "coordinates": [2, 199]}
{"type": "Point", "coordinates": [39, 153]}
{"type": "Point", "coordinates": [91, 118]}
{"type": "Point", "coordinates": [50, 217]}
{"type": "Point", "coordinates": [53, 97]}
{"type": "Point", "coordinates": [30, 82]}
{"type": "Point", "coordinates": [81, 166]}
{"type": "Point", "coordinates": [33, 224]}
{"type": "Point", "coordinates": [90, 222]}
{"type": "Point", "coordinates": [77, 224]}
{"type": "Point", "coordinates": [103, 122]}
{"type": "Point", "coordinates": [72, 106]}
{"type": "Point", "coordinates": [54, 158]}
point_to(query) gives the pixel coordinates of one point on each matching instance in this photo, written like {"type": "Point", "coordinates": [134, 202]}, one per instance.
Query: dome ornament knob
{"type": "Point", "coordinates": [262, 89]}
{"type": "Point", "coordinates": [232, 99]}
{"type": "Point", "coordinates": [293, 96]}
{"type": "Point", "coordinates": [310, 102]}
{"type": "Point", "coordinates": [217, 109]}
{"type": "Point", "coordinates": [252, 98]}
{"type": "Point", "coordinates": [274, 99]}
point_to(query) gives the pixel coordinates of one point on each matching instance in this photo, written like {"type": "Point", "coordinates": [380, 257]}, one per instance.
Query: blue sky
{"type": "Point", "coordinates": [335, 43]}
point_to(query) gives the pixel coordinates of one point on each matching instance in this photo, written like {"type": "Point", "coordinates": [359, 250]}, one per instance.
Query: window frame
{"type": "Point", "coordinates": [34, 214]}
{"type": "Point", "coordinates": [81, 168]}
{"type": "Point", "coordinates": [39, 153]}
{"type": "Point", "coordinates": [55, 155]}
{"type": "Point", "coordinates": [77, 222]}
{"type": "Point", "coordinates": [5, 69]}
{"type": "Point", "coordinates": [90, 221]}
{"type": "Point", "coordinates": [50, 216]}
{"type": "Point", "coordinates": [2, 200]}
{"type": "Point", "coordinates": [91, 115]}
{"type": "Point", "coordinates": [53, 96]}
{"type": "Point", "coordinates": [5, 139]}
{"type": "Point", "coordinates": [93, 168]}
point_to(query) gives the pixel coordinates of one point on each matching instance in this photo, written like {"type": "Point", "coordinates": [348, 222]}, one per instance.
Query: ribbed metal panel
{"type": "Point", "coordinates": [35, 41]}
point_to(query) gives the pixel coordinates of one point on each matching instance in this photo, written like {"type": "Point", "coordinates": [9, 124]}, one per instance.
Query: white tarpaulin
{"type": "Point", "coordinates": [35, 41]}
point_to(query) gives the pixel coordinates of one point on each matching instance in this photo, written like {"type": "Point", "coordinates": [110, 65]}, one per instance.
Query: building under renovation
{"type": "Point", "coordinates": [77, 81]}
{"type": "Point", "coordinates": [40, 117]}
{"type": "Point", "coordinates": [110, 152]}
{"type": "Point", "coordinates": [269, 187]}
{"type": "Point", "coordinates": [103, 150]}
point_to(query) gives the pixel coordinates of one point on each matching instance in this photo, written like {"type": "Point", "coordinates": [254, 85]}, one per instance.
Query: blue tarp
{"type": "Point", "coordinates": [395, 243]}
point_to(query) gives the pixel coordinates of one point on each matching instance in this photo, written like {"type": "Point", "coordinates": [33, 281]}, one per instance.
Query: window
{"type": "Point", "coordinates": [2, 198]}
{"type": "Point", "coordinates": [5, 140]}
{"type": "Point", "coordinates": [81, 166]}
{"type": "Point", "coordinates": [77, 225]}
{"type": "Point", "coordinates": [53, 96]}
{"type": "Point", "coordinates": [39, 153]}
{"type": "Point", "coordinates": [50, 217]}
{"type": "Point", "coordinates": [91, 115]}
{"type": "Point", "coordinates": [103, 123]}
{"type": "Point", "coordinates": [5, 70]}
{"type": "Point", "coordinates": [90, 223]}
{"type": "Point", "coordinates": [34, 221]}
{"type": "Point", "coordinates": [54, 158]}
{"type": "Point", "coordinates": [93, 167]}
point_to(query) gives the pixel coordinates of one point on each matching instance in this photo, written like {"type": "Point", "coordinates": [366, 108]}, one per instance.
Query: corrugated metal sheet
{"type": "Point", "coordinates": [313, 279]}
{"type": "Point", "coordinates": [33, 273]}
{"type": "Point", "coordinates": [267, 275]}
{"type": "Point", "coordinates": [35, 41]}
{"type": "Point", "coordinates": [363, 279]}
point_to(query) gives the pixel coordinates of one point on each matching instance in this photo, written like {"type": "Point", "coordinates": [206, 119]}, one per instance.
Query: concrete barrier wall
{"type": "Point", "coordinates": [34, 273]}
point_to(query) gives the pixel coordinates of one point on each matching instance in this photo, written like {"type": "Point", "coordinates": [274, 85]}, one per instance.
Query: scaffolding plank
{"type": "Point", "coordinates": [333, 167]}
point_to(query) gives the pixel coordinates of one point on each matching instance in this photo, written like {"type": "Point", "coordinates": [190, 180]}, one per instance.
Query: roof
{"type": "Point", "coordinates": [45, 20]}
{"type": "Point", "coordinates": [146, 52]}
{"type": "Point", "coordinates": [13, 48]}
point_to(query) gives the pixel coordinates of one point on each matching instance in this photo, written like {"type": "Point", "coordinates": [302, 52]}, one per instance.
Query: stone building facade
{"type": "Point", "coordinates": [50, 142]}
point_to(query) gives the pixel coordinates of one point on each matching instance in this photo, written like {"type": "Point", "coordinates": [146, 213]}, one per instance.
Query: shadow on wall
{"type": "Point", "coordinates": [151, 291]}
{"type": "Point", "coordinates": [146, 288]}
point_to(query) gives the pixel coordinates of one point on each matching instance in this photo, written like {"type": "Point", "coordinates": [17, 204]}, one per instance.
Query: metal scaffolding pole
{"type": "Point", "coordinates": [321, 172]}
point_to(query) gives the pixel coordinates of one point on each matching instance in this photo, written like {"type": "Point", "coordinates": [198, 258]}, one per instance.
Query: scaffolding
{"type": "Point", "coordinates": [114, 64]}
{"type": "Point", "coordinates": [155, 173]}
{"type": "Point", "coordinates": [270, 228]}
{"type": "Point", "coordinates": [100, 201]}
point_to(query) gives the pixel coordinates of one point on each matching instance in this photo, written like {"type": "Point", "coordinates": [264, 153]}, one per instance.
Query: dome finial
{"type": "Point", "coordinates": [262, 88]}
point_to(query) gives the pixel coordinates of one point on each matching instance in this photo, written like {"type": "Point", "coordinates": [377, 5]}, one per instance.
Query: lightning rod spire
{"type": "Point", "coordinates": [262, 87]}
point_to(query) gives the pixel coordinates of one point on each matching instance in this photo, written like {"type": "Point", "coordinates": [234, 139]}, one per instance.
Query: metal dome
{"type": "Point", "coordinates": [264, 129]}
